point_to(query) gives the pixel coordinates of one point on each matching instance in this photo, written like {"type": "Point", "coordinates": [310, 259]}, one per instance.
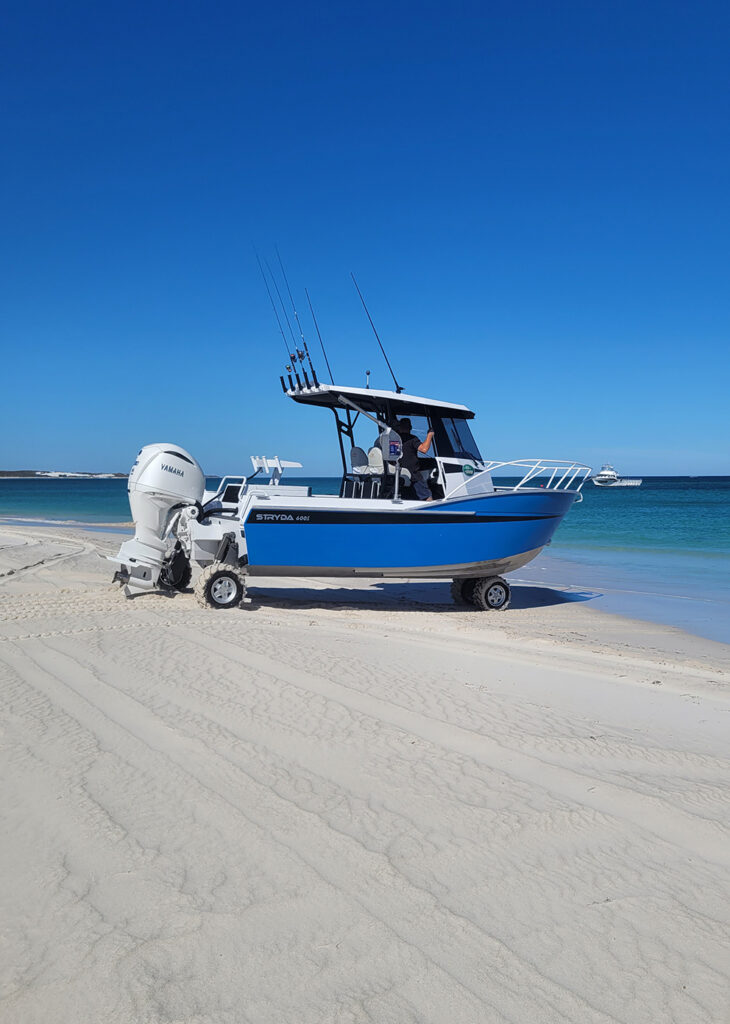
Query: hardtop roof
{"type": "Point", "coordinates": [370, 400]}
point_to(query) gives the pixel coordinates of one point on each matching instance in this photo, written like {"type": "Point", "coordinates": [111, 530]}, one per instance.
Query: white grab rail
{"type": "Point", "coordinates": [533, 468]}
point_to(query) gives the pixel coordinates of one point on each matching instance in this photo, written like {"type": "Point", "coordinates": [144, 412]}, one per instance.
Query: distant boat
{"type": "Point", "coordinates": [608, 477]}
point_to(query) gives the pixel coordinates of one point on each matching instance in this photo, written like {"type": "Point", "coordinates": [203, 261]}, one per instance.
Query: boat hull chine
{"type": "Point", "coordinates": [495, 567]}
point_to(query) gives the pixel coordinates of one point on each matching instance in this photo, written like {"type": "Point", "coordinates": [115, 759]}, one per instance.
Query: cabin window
{"type": "Point", "coordinates": [419, 426]}
{"type": "Point", "coordinates": [454, 438]}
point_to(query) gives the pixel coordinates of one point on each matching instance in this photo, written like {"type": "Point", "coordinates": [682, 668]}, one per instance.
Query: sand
{"type": "Point", "coordinates": [352, 803]}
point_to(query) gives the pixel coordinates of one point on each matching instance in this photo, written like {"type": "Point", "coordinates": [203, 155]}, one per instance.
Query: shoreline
{"type": "Point", "coordinates": [557, 609]}
{"type": "Point", "coordinates": [609, 588]}
{"type": "Point", "coordinates": [70, 524]}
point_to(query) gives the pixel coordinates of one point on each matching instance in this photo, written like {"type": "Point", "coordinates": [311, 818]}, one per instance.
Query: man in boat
{"type": "Point", "coordinates": [412, 446]}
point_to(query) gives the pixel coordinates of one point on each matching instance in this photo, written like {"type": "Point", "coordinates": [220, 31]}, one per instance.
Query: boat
{"type": "Point", "coordinates": [470, 527]}
{"type": "Point", "coordinates": [608, 477]}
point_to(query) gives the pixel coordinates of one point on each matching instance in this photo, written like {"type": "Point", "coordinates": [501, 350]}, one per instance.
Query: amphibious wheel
{"type": "Point", "coordinates": [492, 593]}
{"type": "Point", "coordinates": [462, 591]}
{"type": "Point", "coordinates": [177, 572]}
{"type": "Point", "coordinates": [183, 580]}
{"type": "Point", "coordinates": [220, 586]}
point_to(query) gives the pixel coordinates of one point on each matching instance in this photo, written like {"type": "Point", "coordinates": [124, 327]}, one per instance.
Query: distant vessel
{"type": "Point", "coordinates": [608, 477]}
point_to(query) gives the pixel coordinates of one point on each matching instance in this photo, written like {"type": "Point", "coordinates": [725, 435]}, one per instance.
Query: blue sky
{"type": "Point", "coordinates": [533, 197]}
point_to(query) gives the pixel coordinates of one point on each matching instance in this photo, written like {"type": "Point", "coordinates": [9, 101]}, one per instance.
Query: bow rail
{"type": "Point", "coordinates": [563, 474]}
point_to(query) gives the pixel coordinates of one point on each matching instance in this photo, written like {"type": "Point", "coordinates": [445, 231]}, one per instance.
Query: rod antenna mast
{"type": "Point", "coordinates": [316, 325]}
{"type": "Point", "coordinates": [398, 388]}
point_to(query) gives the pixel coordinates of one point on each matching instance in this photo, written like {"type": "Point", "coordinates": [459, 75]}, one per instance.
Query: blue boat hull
{"type": "Point", "coordinates": [475, 536]}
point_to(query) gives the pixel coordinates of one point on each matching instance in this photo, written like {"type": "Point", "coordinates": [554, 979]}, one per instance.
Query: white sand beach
{"type": "Point", "coordinates": [353, 803]}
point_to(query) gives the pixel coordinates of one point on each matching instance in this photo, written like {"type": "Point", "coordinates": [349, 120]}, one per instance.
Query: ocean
{"type": "Point", "coordinates": [660, 552]}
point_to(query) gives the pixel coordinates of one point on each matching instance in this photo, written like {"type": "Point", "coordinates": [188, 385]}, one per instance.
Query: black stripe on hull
{"type": "Point", "coordinates": [280, 517]}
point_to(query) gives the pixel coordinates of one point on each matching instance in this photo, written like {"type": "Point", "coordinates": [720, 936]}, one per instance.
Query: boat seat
{"type": "Point", "coordinates": [375, 460]}
{"type": "Point", "coordinates": [359, 462]}
{"type": "Point", "coordinates": [367, 471]}
{"type": "Point", "coordinates": [360, 468]}
{"type": "Point", "coordinates": [377, 469]}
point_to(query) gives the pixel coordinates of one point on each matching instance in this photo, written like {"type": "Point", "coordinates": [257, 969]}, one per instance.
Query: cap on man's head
{"type": "Point", "coordinates": [404, 424]}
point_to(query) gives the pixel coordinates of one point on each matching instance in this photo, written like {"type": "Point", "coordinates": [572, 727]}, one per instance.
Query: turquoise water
{"type": "Point", "coordinates": [90, 501]}
{"type": "Point", "coordinates": [83, 501]}
{"type": "Point", "coordinates": [660, 551]}
{"type": "Point", "coordinates": [678, 515]}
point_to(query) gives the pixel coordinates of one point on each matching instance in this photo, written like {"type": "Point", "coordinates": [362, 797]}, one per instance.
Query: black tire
{"type": "Point", "coordinates": [177, 572]}
{"type": "Point", "coordinates": [467, 589]}
{"type": "Point", "coordinates": [183, 581]}
{"type": "Point", "coordinates": [220, 586]}
{"type": "Point", "coordinates": [492, 594]}
{"type": "Point", "coordinates": [462, 591]}
{"type": "Point", "coordinates": [177, 576]}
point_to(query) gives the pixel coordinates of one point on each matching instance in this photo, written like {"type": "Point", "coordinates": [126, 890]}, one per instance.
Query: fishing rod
{"type": "Point", "coordinates": [398, 388]}
{"type": "Point", "coordinates": [292, 355]}
{"type": "Point", "coordinates": [273, 305]}
{"type": "Point", "coordinates": [311, 310]}
{"type": "Point", "coordinates": [296, 317]}
{"type": "Point", "coordinates": [283, 307]}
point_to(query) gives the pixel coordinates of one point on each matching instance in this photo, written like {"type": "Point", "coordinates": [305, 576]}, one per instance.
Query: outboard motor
{"type": "Point", "coordinates": [164, 479]}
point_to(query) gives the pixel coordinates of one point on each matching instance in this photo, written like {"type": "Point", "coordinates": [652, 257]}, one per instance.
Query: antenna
{"type": "Point", "coordinates": [398, 388]}
{"type": "Point", "coordinates": [311, 310]}
{"type": "Point", "coordinates": [273, 305]}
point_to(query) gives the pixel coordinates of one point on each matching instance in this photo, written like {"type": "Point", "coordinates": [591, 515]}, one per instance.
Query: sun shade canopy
{"type": "Point", "coordinates": [370, 400]}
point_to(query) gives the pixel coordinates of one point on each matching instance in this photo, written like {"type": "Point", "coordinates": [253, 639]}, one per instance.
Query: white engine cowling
{"type": "Point", "coordinates": [164, 479]}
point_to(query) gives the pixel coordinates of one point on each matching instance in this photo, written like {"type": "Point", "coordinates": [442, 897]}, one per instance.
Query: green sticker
{"type": "Point", "coordinates": [468, 470]}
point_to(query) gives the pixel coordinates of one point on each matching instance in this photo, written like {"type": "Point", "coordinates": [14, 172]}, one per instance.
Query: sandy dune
{"type": "Point", "coordinates": [350, 804]}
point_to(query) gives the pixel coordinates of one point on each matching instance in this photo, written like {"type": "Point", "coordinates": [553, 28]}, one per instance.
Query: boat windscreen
{"type": "Point", "coordinates": [459, 439]}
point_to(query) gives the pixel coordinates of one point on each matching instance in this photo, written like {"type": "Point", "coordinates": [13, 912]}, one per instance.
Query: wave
{"type": "Point", "coordinates": [45, 521]}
